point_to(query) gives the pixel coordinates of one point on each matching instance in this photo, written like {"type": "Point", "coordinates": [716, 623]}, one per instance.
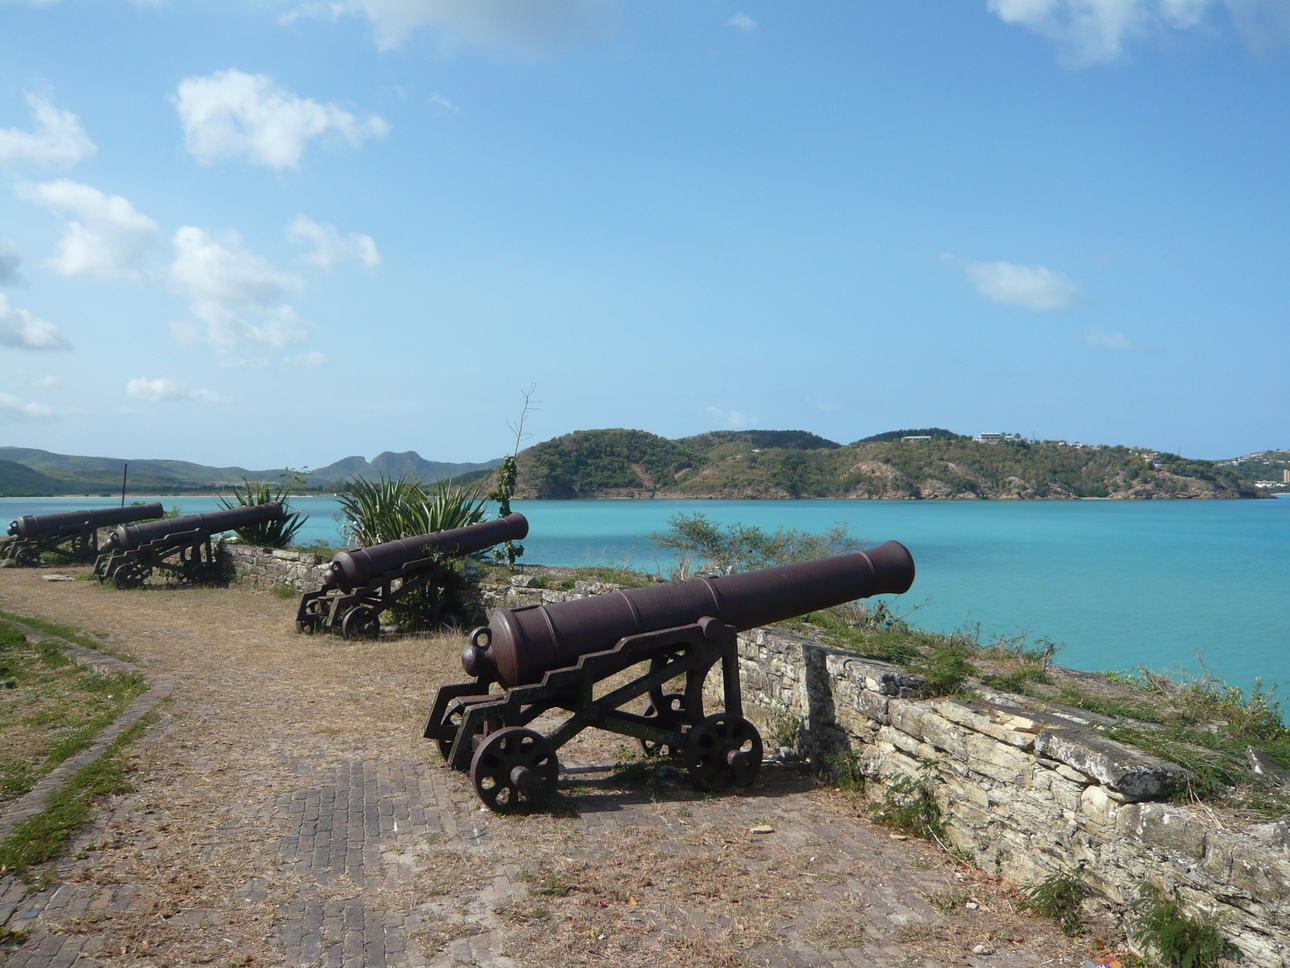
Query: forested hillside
{"type": "Point", "coordinates": [796, 464]}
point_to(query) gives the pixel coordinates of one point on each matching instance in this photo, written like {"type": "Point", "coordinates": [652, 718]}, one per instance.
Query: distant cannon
{"type": "Point", "coordinates": [70, 535]}
{"type": "Point", "coordinates": [180, 547]}
{"type": "Point", "coordinates": [551, 657]}
{"type": "Point", "coordinates": [359, 585]}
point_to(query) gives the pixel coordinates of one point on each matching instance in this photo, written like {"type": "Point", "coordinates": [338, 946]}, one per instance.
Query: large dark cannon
{"type": "Point", "coordinates": [180, 547]}
{"type": "Point", "coordinates": [359, 585]}
{"type": "Point", "coordinates": [70, 535]}
{"type": "Point", "coordinates": [547, 657]}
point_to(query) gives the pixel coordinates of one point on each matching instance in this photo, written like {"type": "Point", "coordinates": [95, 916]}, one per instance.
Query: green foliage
{"type": "Point", "coordinates": [584, 463]}
{"type": "Point", "coordinates": [705, 546]}
{"type": "Point", "coordinates": [507, 475]}
{"type": "Point", "coordinates": [1179, 941]}
{"type": "Point", "coordinates": [945, 669]}
{"type": "Point", "coordinates": [1058, 896]}
{"type": "Point", "coordinates": [910, 807]}
{"type": "Point", "coordinates": [374, 512]}
{"type": "Point", "coordinates": [936, 433]}
{"type": "Point", "coordinates": [268, 534]}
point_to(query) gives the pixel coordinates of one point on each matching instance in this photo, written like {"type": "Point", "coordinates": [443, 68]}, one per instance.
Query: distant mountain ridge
{"type": "Point", "coordinates": [71, 474]}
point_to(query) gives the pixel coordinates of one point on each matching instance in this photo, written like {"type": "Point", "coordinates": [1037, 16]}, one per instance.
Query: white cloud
{"type": "Point", "coordinates": [57, 141]}
{"type": "Point", "coordinates": [24, 331]}
{"type": "Point", "coordinates": [164, 389]}
{"type": "Point", "coordinates": [1094, 31]}
{"type": "Point", "coordinates": [308, 360]}
{"type": "Point", "coordinates": [731, 418]}
{"type": "Point", "coordinates": [443, 104]}
{"type": "Point", "coordinates": [1108, 340]}
{"type": "Point", "coordinates": [741, 21]}
{"type": "Point", "coordinates": [231, 114]}
{"type": "Point", "coordinates": [48, 382]}
{"type": "Point", "coordinates": [528, 27]}
{"type": "Point", "coordinates": [10, 259]}
{"type": "Point", "coordinates": [13, 410]}
{"type": "Point", "coordinates": [239, 296]}
{"type": "Point", "coordinates": [1030, 287]}
{"type": "Point", "coordinates": [108, 237]}
{"type": "Point", "coordinates": [329, 249]}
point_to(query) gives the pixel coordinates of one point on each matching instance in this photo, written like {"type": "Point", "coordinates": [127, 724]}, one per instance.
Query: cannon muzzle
{"type": "Point", "coordinates": [523, 644]}
{"type": "Point", "coordinates": [349, 569]}
{"type": "Point", "coordinates": [129, 536]}
{"type": "Point", "coordinates": [31, 525]}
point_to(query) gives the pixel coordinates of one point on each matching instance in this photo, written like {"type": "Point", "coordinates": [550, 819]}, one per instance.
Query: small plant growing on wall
{"type": "Point", "coordinates": [910, 807]}
{"type": "Point", "coordinates": [1058, 896]}
{"type": "Point", "coordinates": [1176, 939]}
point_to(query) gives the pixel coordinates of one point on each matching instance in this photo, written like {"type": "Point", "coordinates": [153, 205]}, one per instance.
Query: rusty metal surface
{"type": "Point", "coordinates": [349, 569]}
{"type": "Point", "coordinates": [30, 525]}
{"type": "Point", "coordinates": [525, 643]}
{"type": "Point", "coordinates": [129, 536]}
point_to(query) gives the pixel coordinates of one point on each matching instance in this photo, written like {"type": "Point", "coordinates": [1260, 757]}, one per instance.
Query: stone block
{"type": "Point", "coordinates": [944, 735]}
{"type": "Point", "coordinates": [997, 760]}
{"type": "Point", "coordinates": [907, 717]}
{"type": "Point", "coordinates": [1097, 807]}
{"type": "Point", "coordinates": [1128, 772]}
{"type": "Point", "coordinates": [1167, 828]}
{"type": "Point", "coordinates": [1259, 876]}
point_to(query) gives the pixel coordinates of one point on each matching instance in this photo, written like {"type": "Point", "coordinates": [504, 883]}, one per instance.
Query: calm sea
{"type": "Point", "coordinates": [1169, 585]}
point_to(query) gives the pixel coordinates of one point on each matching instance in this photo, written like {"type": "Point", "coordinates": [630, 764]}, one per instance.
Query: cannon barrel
{"type": "Point", "coordinates": [526, 643]}
{"type": "Point", "coordinates": [31, 525]}
{"type": "Point", "coordinates": [129, 536]}
{"type": "Point", "coordinates": [352, 568]}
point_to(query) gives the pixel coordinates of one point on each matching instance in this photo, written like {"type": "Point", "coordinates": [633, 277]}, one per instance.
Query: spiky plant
{"type": "Point", "coordinates": [267, 534]}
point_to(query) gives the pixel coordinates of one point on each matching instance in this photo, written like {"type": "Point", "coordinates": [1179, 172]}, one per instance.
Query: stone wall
{"type": "Point", "coordinates": [1031, 793]}
{"type": "Point", "coordinates": [273, 568]}
{"type": "Point", "coordinates": [1027, 792]}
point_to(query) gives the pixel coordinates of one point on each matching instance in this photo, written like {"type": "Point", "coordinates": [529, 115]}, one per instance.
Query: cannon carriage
{"type": "Point", "coordinates": [551, 659]}
{"type": "Point", "coordinates": [180, 547]}
{"type": "Point", "coordinates": [69, 535]}
{"type": "Point", "coordinates": [360, 584]}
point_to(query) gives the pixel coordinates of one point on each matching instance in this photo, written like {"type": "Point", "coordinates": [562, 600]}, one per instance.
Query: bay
{"type": "Point", "coordinates": [1172, 586]}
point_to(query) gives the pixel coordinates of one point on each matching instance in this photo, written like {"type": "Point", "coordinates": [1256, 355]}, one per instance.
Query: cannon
{"type": "Point", "coordinates": [179, 547]}
{"type": "Point", "coordinates": [70, 535]}
{"type": "Point", "coordinates": [551, 658]}
{"type": "Point", "coordinates": [359, 585]}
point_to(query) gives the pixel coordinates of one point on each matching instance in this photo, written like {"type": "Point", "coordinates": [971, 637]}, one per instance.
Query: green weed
{"type": "Point", "coordinates": [1058, 896]}
{"type": "Point", "coordinates": [910, 807]}
{"type": "Point", "coordinates": [1179, 941]}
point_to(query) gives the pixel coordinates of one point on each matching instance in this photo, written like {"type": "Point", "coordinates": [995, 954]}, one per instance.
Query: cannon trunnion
{"type": "Point", "coordinates": [359, 585]}
{"type": "Point", "coordinates": [550, 658]}
{"type": "Point", "coordinates": [179, 547]}
{"type": "Point", "coordinates": [70, 535]}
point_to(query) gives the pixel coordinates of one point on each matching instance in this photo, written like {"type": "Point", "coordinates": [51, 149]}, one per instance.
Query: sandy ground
{"type": "Point", "coordinates": [287, 811]}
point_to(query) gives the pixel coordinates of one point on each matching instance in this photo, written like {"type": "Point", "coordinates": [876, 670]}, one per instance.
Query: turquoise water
{"type": "Point", "coordinates": [1119, 584]}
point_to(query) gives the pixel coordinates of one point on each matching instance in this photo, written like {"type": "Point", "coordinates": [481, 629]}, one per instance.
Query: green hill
{"type": "Point", "coordinates": [18, 480]}
{"type": "Point", "coordinates": [795, 464]}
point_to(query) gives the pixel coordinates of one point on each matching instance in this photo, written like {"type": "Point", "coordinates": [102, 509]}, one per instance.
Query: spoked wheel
{"type": "Point", "coordinates": [314, 613]}
{"type": "Point", "coordinates": [669, 714]}
{"type": "Point", "coordinates": [360, 623]}
{"type": "Point", "coordinates": [723, 752]}
{"type": "Point", "coordinates": [452, 720]}
{"type": "Point", "coordinates": [513, 768]}
{"type": "Point", "coordinates": [130, 574]}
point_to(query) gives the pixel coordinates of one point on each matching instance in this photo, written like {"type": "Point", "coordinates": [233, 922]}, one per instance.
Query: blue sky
{"type": "Point", "coordinates": [279, 232]}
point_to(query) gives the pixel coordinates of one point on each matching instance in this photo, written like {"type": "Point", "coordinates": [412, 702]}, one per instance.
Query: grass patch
{"type": "Point", "coordinates": [68, 634]}
{"type": "Point", "coordinates": [283, 592]}
{"type": "Point", "coordinates": [45, 837]}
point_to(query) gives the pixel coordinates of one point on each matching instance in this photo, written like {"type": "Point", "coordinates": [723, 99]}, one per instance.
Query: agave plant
{"type": "Point", "coordinates": [373, 512]}
{"type": "Point", "coordinates": [267, 534]}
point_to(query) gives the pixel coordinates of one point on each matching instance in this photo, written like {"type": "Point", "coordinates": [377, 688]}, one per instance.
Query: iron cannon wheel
{"type": "Point", "coordinates": [724, 751]}
{"type": "Point", "coordinates": [672, 713]}
{"type": "Point", "coordinates": [513, 767]}
{"type": "Point", "coordinates": [315, 614]}
{"type": "Point", "coordinates": [360, 623]}
{"type": "Point", "coordinates": [130, 574]}
{"type": "Point", "coordinates": [452, 720]}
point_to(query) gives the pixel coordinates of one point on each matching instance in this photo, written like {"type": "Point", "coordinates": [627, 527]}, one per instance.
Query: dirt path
{"type": "Point", "coordinates": [287, 811]}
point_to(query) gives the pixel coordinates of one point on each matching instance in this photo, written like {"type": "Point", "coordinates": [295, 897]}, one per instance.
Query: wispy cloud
{"type": "Point", "coordinates": [1088, 32]}
{"type": "Point", "coordinates": [329, 249]}
{"type": "Point", "coordinates": [231, 114]}
{"type": "Point", "coordinates": [741, 21]}
{"type": "Point", "coordinates": [1034, 288]}
{"type": "Point", "coordinates": [13, 410]}
{"type": "Point", "coordinates": [528, 27]}
{"type": "Point", "coordinates": [1108, 340]}
{"type": "Point", "coordinates": [24, 331]}
{"type": "Point", "coordinates": [240, 297]}
{"type": "Point", "coordinates": [165, 390]}
{"type": "Point", "coordinates": [10, 259]}
{"type": "Point", "coordinates": [443, 104]}
{"type": "Point", "coordinates": [731, 419]}
{"type": "Point", "coordinates": [108, 237]}
{"type": "Point", "coordinates": [58, 140]}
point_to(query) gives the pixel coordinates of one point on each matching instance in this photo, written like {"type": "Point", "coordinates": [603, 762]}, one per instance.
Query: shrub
{"type": "Point", "coordinates": [374, 512]}
{"type": "Point", "coordinates": [268, 534]}
{"type": "Point", "coordinates": [1177, 940]}
{"type": "Point", "coordinates": [910, 807]}
{"type": "Point", "coordinates": [740, 547]}
{"type": "Point", "coordinates": [1058, 896]}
